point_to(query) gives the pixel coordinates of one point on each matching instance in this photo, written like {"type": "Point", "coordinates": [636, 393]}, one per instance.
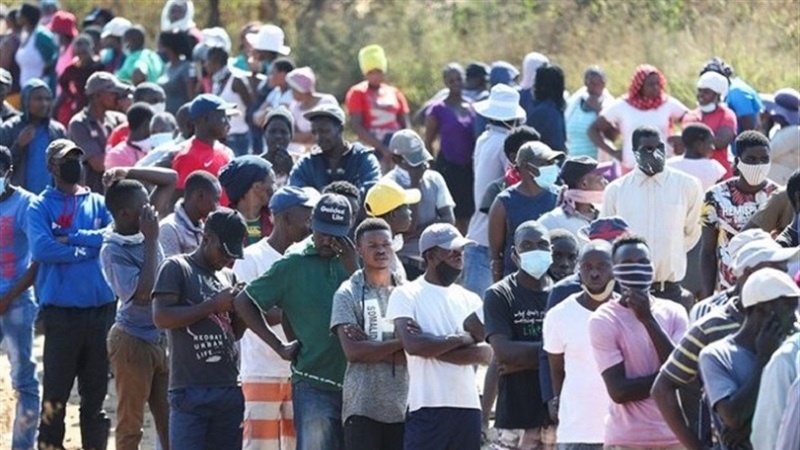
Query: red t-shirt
{"type": "Point", "coordinates": [120, 134]}
{"type": "Point", "coordinates": [197, 155]}
{"type": "Point", "coordinates": [720, 117]}
{"type": "Point", "coordinates": [379, 107]}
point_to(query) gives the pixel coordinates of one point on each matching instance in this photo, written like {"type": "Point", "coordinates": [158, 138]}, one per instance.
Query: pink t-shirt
{"type": "Point", "coordinates": [617, 336]}
{"type": "Point", "coordinates": [123, 155]}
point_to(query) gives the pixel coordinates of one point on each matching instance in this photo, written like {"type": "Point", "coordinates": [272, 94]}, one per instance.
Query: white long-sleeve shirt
{"type": "Point", "coordinates": [665, 210]}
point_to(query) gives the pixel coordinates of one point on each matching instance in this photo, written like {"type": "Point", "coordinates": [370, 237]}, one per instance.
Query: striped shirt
{"type": "Point", "coordinates": [703, 307]}
{"type": "Point", "coordinates": [682, 366]}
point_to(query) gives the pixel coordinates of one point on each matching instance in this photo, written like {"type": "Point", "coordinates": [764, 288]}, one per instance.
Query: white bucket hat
{"type": "Point", "coordinates": [116, 27]}
{"type": "Point", "coordinates": [269, 39]}
{"type": "Point", "coordinates": [502, 104]}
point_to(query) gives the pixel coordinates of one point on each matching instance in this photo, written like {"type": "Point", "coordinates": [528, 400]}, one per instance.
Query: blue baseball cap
{"type": "Point", "coordinates": [291, 196]}
{"type": "Point", "coordinates": [205, 103]}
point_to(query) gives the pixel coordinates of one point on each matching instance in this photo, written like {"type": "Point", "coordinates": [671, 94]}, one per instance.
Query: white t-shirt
{"type": "Point", "coordinates": [259, 360]}
{"type": "Point", "coordinates": [584, 401]}
{"type": "Point", "coordinates": [558, 219]}
{"type": "Point", "coordinates": [489, 163]}
{"type": "Point", "coordinates": [626, 118]}
{"type": "Point", "coordinates": [439, 311]}
{"type": "Point", "coordinates": [708, 171]}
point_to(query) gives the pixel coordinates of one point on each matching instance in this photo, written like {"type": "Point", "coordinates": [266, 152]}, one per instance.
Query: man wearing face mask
{"type": "Point", "coordinates": [729, 206]}
{"type": "Point", "coordinates": [66, 224]}
{"type": "Point", "coordinates": [569, 351]}
{"type": "Point", "coordinates": [579, 202]}
{"type": "Point", "coordinates": [631, 338]}
{"type": "Point", "coordinates": [713, 112]}
{"type": "Point", "coordinates": [128, 152]}
{"type": "Point", "coordinates": [428, 315]}
{"type": "Point", "coordinates": [662, 205]}
{"type": "Point", "coordinates": [529, 199]}
{"type": "Point", "coordinates": [514, 310]}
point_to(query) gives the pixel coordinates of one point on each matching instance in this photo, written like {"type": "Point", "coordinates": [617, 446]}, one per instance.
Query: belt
{"type": "Point", "coordinates": [660, 286]}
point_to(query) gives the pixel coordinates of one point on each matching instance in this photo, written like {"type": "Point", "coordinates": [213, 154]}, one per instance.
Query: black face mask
{"type": "Point", "coordinates": [446, 273]}
{"type": "Point", "coordinates": [650, 162]}
{"type": "Point", "coordinates": [70, 171]}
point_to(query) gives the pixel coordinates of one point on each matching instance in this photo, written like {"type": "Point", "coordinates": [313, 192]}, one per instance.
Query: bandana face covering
{"type": "Point", "coordinates": [650, 162]}
{"type": "Point", "coordinates": [634, 276]}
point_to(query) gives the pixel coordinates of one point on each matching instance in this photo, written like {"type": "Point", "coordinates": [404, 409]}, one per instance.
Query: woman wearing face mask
{"type": "Point", "coordinates": [579, 202]}
{"type": "Point", "coordinates": [729, 205]}
{"type": "Point", "coordinates": [711, 89]}
{"type": "Point", "coordinates": [533, 196]}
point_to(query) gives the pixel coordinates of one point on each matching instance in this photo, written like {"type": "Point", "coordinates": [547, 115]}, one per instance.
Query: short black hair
{"type": "Point", "coordinates": [453, 67]}
{"type": "Point", "coordinates": [627, 239]}
{"type": "Point", "coordinates": [200, 181]}
{"type": "Point", "coordinates": [144, 89]}
{"type": "Point", "coordinates": [30, 12]}
{"type": "Point", "coordinates": [5, 157]}
{"type": "Point", "coordinates": [343, 188]}
{"type": "Point", "coordinates": [119, 194]}
{"type": "Point", "coordinates": [178, 42]}
{"type": "Point", "coordinates": [217, 54]}
{"type": "Point", "coordinates": [793, 187]}
{"type": "Point", "coordinates": [562, 234]}
{"type": "Point", "coordinates": [644, 131]}
{"type": "Point", "coordinates": [748, 139]}
{"type": "Point", "coordinates": [694, 133]}
{"type": "Point", "coordinates": [137, 35]}
{"type": "Point", "coordinates": [372, 224]}
{"type": "Point", "coordinates": [549, 85]}
{"type": "Point", "coordinates": [282, 64]}
{"type": "Point", "coordinates": [517, 137]}
{"type": "Point", "coordinates": [139, 113]}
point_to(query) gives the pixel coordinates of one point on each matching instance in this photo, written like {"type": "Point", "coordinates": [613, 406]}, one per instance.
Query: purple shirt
{"type": "Point", "coordinates": [456, 138]}
{"type": "Point", "coordinates": [618, 336]}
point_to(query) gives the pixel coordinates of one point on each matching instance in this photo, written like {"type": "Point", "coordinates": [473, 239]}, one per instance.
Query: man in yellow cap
{"type": "Point", "coordinates": [389, 201]}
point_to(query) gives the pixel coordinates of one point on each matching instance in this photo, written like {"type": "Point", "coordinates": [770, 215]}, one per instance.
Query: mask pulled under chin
{"type": "Point", "coordinates": [602, 296]}
{"type": "Point", "coordinates": [709, 108]}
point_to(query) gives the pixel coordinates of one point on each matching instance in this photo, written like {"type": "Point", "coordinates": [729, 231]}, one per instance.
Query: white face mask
{"type": "Point", "coordinates": [754, 174]}
{"type": "Point", "coordinates": [709, 108]}
{"type": "Point", "coordinates": [535, 262]}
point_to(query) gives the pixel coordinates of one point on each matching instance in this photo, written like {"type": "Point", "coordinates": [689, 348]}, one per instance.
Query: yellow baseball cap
{"type": "Point", "coordinates": [386, 195]}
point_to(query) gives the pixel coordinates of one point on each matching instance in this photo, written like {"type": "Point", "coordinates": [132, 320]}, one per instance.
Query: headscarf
{"type": "Point", "coordinates": [634, 96]}
{"type": "Point", "coordinates": [372, 57]}
{"type": "Point", "coordinates": [530, 64]}
{"type": "Point", "coordinates": [181, 25]}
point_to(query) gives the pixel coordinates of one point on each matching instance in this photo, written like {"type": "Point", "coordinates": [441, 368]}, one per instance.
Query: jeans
{"type": "Point", "coordinates": [75, 346]}
{"type": "Point", "coordinates": [317, 417]}
{"type": "Point", "coordinates": [239, 143]}
{"type": "Point", "coordinates": [443, 429]}
{"type": "Point", "coordinates": [206, 418]}
{"type": "Point", "coordinates": [363, 433]}
{"type": "Point", "coordinates": [477, 272]}
{"type": "Point", "coordinates": [16, 335]}
{"type": "Point", "coordinates": [141, 375]}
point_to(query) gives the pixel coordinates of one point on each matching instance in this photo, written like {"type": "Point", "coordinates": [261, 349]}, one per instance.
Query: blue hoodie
{"type": "Point", "coordinates": [69, 274]}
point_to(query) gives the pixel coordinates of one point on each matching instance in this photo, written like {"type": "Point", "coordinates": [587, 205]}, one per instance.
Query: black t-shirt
{"type": "Point", "coordinates": [203, 353]}
{"type": "Point", "coordinates": [517, 312]}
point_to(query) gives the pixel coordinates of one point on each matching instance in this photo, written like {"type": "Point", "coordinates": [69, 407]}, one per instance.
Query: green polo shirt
{"type": "Point", "coordinates": [147, 61]}
{"type": "Point", "coordinates": [302, 284]}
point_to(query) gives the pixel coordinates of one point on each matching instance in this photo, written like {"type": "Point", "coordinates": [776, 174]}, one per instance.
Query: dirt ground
{"type": "Point", "coordinates": [72, 441]}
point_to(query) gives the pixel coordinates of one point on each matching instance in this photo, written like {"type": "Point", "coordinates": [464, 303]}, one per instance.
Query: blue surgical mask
{"type": "Point", "coordinates": [106, 55]}
{"type": "Point", "coordinates": [535, 262]}
{"type": "Point", "coordinates": [547, 176]}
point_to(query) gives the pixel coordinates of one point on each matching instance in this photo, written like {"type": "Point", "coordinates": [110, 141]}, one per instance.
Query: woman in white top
{"type": "Point", "coordinates": [231, 85]}
{"type": "Point", "coordinates": [302, 81]}
{"type": "Point", "coordinates": [38, 51]}
{"type": "Point", "coordinates": [646, 103]}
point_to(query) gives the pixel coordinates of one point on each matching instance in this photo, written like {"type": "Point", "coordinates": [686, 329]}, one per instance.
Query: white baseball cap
{"type": "Point", "coordinates": [761, 251]}
{"type": "Point", "coordinates": [116, 27]}
{"type": "Point", "coordinates": [766, 285]}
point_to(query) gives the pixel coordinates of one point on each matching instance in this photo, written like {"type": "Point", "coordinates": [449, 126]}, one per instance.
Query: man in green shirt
{"type": "Point", "coordinates": [140, 64]}
{"type": "Point", "coordinates": [302, 284]}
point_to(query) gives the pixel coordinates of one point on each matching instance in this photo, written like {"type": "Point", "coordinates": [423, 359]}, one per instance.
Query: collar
{"type": "Point", "coordinates": [359, 280]}
{"type": "Point", "coordinates": [134, 239]}
{"type": "Point", "coordinates": [315, 150]}
{"type": "Point", "coordinates": [641, 178]}
{"type": "Point", "coordinates": [180, 214]}
{"type": "Point", "coordinates": [200, 146]}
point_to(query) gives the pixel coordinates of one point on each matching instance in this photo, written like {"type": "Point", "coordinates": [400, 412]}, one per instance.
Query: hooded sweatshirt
{"type": "Point", "coordinates": [49, 130]}
{"type": "Point", "coordinates": [70, 274]}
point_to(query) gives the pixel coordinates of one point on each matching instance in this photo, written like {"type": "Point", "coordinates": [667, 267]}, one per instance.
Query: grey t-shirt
{"type": "Point", "coordinates": [122, 258]}
{"type": "Point", "coordinates": [725, 367]}
{"type": "Point", "coordinates": [378, 390]}
{"type": "Point", "coordinates": [203, 353]}
{"type": "Point", "coordinates": [174, 81]}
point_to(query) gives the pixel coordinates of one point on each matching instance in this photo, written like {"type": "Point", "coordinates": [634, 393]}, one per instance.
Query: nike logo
{"type": "Point", "coordinates": [208, 164]}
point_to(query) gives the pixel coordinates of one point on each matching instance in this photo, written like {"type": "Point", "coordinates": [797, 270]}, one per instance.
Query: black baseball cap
{"type": "Point", "coordinates": [231, 229]}
{"type": "Point", "coordinates": [332, 215]}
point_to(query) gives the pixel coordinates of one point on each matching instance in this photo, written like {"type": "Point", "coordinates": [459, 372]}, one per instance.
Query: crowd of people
{"type": "Point", "coordinates": [192, 222]}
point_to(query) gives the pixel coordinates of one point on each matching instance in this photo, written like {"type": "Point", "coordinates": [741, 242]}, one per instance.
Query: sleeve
{"type": "Point", "coordinates": [613, 113]}
{"type": "Point", "coordinates": [603, 337]}
{"type": "Point", "coordinates": [116, 158]}
{"type": "Point", "coordinates": [299, 175]}
{"type": "Point", "coordinates": [401, 305]}
{"type": "Point", "coordinates": [178, 165]}
{"type": "Point", "coordinates": [497, 313]}
{"type": "Point", "coordinates": [87, 238]}
{"type": "Point", "coordinates": [776, 379]}
{"type": "Point", "coordinates": [344, 306]}
{"type": "Point", "coordinates": [120, 272]}
{"type": "Point", "coordinates": [402, 103]}
{"type": "Point", "coordinates": [679, 323]}
{"type": "Point", "coordinates": [354, 101]}
{"type": "Point", "coordinates": [729, 120]}
{"type": "Point", "coordinates": [267, 290]}
{"type": "Point", "coordinates": [45, 248]}
{"type": "Point", "coordinates": [719, 169]}
{"type": "Point", "coordinates": [370, 172]}
{"type": "Point", "coordinates": [488, 197]}
{"type": "Point", "coordinates": [168, 238]}
{"type": "Point", "coordinates": [79, 133]}
{"type": "Point", "coordinates": [169, 279]}
{"type": "Point", "coordinates": [708, 216]}
{"type": "Point", "coordinates": [717, 381]}
{"type": "Point", "coordinates": [693, 226]}
{"type": "Point", "coordinates": [743, 103]}
{"type": "Point", "coordinates": [553, 340]}
{"type": "Point", "coordinates": [681, 366]}
{"type": "Point", "coordinates": [676, 108]}
{"type": "Point", "coordinates": [443, 197]}
{"type": "Point", "coordinates": [245, 269]}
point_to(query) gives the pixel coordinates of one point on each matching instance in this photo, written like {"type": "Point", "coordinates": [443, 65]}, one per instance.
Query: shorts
{"type": "Point", "coordinates": [543, 438]}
